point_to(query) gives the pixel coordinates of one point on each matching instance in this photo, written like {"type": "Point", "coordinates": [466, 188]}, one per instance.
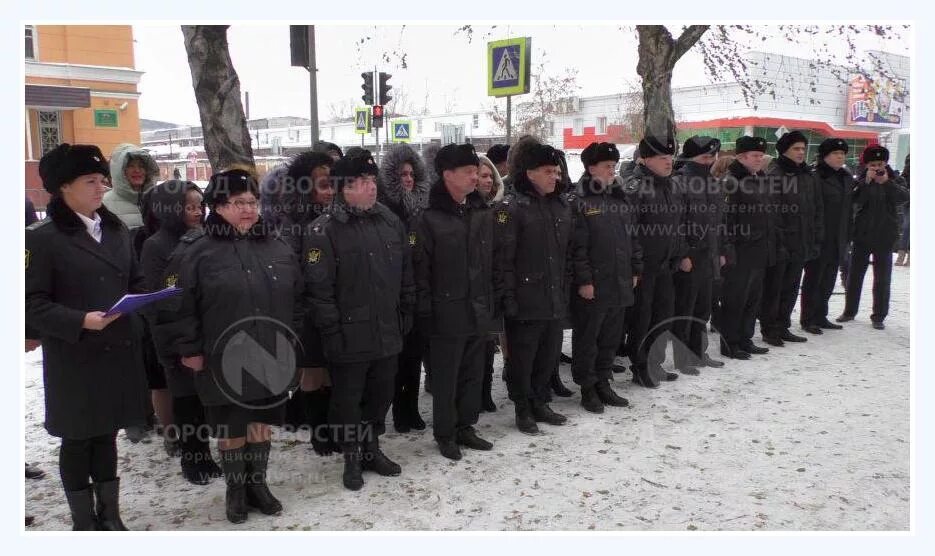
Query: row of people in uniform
{"type": "Point", "coordinates": [366, 292]}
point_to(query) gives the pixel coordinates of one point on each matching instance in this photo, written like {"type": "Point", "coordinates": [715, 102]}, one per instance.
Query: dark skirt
{"type": "Point", "coordinates": [231, 420]}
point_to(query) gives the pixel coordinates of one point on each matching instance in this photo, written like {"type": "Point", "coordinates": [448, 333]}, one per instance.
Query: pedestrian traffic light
{"type": "Point", "coordinates": [385, 87]}
{"type": "Point", "coordinates": [368, 88]}
{"type": "Point", "coordinates": [378, 115]}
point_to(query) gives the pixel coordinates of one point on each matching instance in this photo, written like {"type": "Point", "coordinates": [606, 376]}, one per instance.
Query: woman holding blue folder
{"type": "Point", "coordinates": [79, 261]}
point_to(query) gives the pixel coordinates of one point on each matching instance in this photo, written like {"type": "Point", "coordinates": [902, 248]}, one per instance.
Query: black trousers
{"type": "Point", "coordinates": [817, 287]}
{"type": "Point", "coordinates": [457, 376]}
{"type": "Point", "coordinates": [654, 306]}
{"type": "Point", "coordinates": [535, 349]}
{"type": "Point", "coordinates": [360, 397]}
{"type": "Point", "coordinates": [94, 458]}
{"type": "Point", "coordinates": [882, 275]}
{"type": "Point", "coordinates": [594, 341]}
{"type": "Point", "coordinates": [692, 309]}
{"type": "Point", "coordinates": [741, 295]}
{"type": "Point", "coordinates": [409, 372]}
{"type": "Point", "coordinates": [716, 286]}
{"type": "Point", "coordinates": [780, 292]}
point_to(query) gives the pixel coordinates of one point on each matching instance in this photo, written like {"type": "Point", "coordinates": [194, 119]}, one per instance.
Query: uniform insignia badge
{"type": "Point", "coordinates": [412, 239]}
{"type": "Point", "coordinates": [27, 259]}
{"type": "Point", "coordinates": [314, 255]}
{"type": "Point", "coordinates": [503, 217]}
{"type": "Point", "coordinates": [172, 280]}
{"type": "Point", "coordinates": [591, 211]}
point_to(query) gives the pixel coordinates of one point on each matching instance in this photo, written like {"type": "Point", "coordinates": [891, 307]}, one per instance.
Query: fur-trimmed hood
{"type": "Point", "coordinates": [429, 152]}
{"type": "Point", "coordinates": [389, 187]}
{"type": "Point", "coordinates": [497, 180]}
{"type": "Point", "coordinates": [123, 200]}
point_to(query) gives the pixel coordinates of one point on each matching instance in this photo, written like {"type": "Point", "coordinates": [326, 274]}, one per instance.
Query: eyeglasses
{"type": "Point", "coordinates": [241, 204]}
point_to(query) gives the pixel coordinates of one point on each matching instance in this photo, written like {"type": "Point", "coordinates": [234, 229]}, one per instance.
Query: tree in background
{"type": "Point", "coordinates": [217, 92]}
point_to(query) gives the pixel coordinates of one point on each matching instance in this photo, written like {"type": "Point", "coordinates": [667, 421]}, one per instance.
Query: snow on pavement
{"type": "Point", "coordinates": [812, 436]}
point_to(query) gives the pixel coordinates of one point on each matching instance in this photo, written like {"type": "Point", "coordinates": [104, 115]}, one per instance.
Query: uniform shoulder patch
{"type": "Point", "coordinates": [412, 239]}
{"type": "Point", "coordinates": [503, 216]}
{"type": "Point", "coordinates": [313, 256]}
{"type": "Point", "coordinates": [172, 280]}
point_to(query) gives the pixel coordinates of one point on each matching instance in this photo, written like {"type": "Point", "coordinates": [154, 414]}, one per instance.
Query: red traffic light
{"type": "Point", "coordinates": [378, 111]}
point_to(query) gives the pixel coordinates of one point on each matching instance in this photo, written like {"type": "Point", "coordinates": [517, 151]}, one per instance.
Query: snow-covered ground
{"type": "Point", "coordinates": [809, 437]}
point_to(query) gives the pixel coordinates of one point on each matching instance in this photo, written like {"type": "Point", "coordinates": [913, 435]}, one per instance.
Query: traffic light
{"type": "Point", "coordinates": [368, 88]}
{"type": "Point", "coordinates": [378, 115]}
{"type": "Point", "coordinates": [385, 87]}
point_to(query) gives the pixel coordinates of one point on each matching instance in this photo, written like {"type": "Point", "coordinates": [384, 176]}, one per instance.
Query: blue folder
{"type": "Point", "coordinates": [133, 302]}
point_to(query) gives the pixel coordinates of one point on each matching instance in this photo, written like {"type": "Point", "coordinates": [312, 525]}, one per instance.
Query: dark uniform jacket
{"type": "Point", "coordinates": [241, 301]}
{"type": "Point", "coordinates": [166, 207]}
{"type": "Point", "coordinates": [836, 187]}
{"type": "Point", "coordinates": [753, 233]}
{"type": "Point", "coordinates": [801, 208]}
{"type": "Point", "coordinates": [606, 252]}
{"type": "Point", "coordinates": [94, 380]}
{"type": "Point", "coordinates": [535, 234]}
{"type": "Point", "coordinates": [659, 215]}
{"type": "Point", "coordinates": [876, 219]}
{"type": "Point", "coordinates": [704, 222]}
{"type": "Point", "coordinates": [358, 282]}
{"type": "Point", "coordinates": [458, 294]}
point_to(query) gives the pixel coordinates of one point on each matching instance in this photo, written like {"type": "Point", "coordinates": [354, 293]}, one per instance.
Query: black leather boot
{"type": "Point", "coordinates": [81, 504]}
{"type": "Point", "coordinates": [353, 473]}
{"type": "Point", "coordinates": [258, 495]}
{"type": "Point", "coordinates": [373, 459]}
{"type": "Point", "coordinates": [235, 499]}
{"type": "Point", "coordinates": [108, 506]}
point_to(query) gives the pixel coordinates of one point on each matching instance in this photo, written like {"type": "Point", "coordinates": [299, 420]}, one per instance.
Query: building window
{"type": "Point", "coordinates": [602, 125]}
{"type": "Point", "coordinates": [578, 126]}
{"type": "Point", "coordinates": [419, 126]}
{"type": "Point", "coordinates": [475, 121]}
{"type": "Point", "coordinates": [31, 42]}
{"type": "Point", "coordinates": [550, 128]}
{"type": "Point", "coordinates": [50, 131]}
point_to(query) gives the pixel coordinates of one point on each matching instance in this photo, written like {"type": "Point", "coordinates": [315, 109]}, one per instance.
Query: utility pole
{"type": "Point", "coordinates": [312, 85]}
{"type": "Point", "coordinates": [376, 100]}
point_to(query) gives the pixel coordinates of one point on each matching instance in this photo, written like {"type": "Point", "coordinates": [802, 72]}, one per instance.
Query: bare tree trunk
{"type": "Point", "coordinates": [217, 91]}
{"type": "Point", "coordinates": [658, 53]}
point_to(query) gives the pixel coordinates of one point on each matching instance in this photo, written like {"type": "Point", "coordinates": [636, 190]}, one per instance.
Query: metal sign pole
{"type": "Point", "coordinates": [509, 117]}
{"type": "Point", "coordinates": [312, 86]}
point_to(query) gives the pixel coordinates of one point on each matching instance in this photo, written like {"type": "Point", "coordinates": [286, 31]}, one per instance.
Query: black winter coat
{"type": "Point", "coordinates": [660, 216]}
{"type": "Point", "coordinates": [606, 252]}
{"type": "Point", "coordinates": [166, 205]}
{"type": "Point", "coordinates": [535, 235]}
{"type": "Point", "coordinates": [457, 291]}
{"type": "Point", "coordinates": [358, 282]}
{"type": "Point", "coordinates": [876, 217]}
{"type": "Point", "coordinates": [704, 222]}
{"type": "Point", "coordinates": [752, 220]}
{"type": "Point", "coordinates": [94, 380]}
{"type": "Point", "coordinates": [836, 187]}
{"type": "Point", "coordinates": [241, 301]}
{"type": "Point", "coordinates": [801, 208]}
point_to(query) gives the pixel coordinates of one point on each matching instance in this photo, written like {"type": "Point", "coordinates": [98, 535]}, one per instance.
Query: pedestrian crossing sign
{"type": "Point", "coordinates": [402, 131]}
{"type": "Point", "coordinates": [508, 64]}
{"type": "Point", "coordinates": [362, 121]}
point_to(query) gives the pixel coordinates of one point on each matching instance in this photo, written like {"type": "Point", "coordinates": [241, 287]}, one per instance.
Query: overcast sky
{"type": "Point", "coordinates": [441, 65]}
